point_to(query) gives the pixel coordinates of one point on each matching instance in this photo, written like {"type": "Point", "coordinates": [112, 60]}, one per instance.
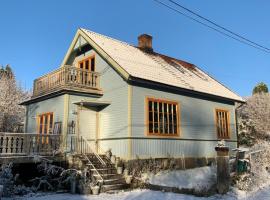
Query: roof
{"type": "Point", "coordinates": [160, 68]}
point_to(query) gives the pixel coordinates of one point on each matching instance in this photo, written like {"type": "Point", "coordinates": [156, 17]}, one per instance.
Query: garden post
{"type": "Point", "coordinates": [223, 171]}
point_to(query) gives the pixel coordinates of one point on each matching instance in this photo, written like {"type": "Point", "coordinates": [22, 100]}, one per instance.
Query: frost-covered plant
{"type": "Point", "coordinates": [257, 109]}
{"type": "Point", "coordinates": [260, 164]}
{"type": "Point", "coordinates": [7, 179]}
{"type": "Point", "coordinates": [11, 94]}
{"type": "Point", "coordinates": [246, 132]}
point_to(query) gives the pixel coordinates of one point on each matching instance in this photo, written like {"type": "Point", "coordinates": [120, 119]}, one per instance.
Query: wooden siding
{"type": "Point", "coordinates": [113, 119]}
{"type": "Point", "coordinates": [54, 105]}
{"type": "Point", "coordinates": [157, 148]}
{"type": "Point", "coordinates": [197, 123]}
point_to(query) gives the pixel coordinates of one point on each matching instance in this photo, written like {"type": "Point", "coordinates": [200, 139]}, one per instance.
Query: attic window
{"type": "Point", "coordinates": [222, 124]}
{"type": "Point", "coordinates": [162, 117]}
{"type": "Point", "coordinates": [87, 63]}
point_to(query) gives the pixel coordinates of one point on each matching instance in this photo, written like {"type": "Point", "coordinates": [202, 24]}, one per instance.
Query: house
{"type": "Point", "coordinates": [132, 100]}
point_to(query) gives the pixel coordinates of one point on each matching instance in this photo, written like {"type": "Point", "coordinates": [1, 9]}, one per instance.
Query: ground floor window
{"type": "Point", "coordinates": [45, 123]}
{"type": "Point", "coordinates": [222, 124]}
{"type": "Point", "coordinates": [162, 117]}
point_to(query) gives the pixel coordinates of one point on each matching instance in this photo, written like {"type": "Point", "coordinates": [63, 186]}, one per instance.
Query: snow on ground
{"type": "Point", "coordinates": [199, 178]}
{"type": "Point", "coordinates": [263, 194]}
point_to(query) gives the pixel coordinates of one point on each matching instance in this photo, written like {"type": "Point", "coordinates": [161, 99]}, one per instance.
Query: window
{"type": "Point", "coordinates": [45, 123]}
{"type": "Point", "coordinates": [162, 117]}
{"type": "Point", "coordinates": [222, 124]}
{"type": "Point", "coordinates": [88, 64]}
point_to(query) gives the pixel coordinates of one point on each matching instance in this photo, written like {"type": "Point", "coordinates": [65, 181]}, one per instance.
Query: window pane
{"type": "Point", "coordinates": [160, 107]}
{"type": "Point", "coordinates": [174, 109]}
{"type": "Point", "coordinates": [87, 64]}
{"type": "Point", "coordinates": [175, 129]}
{"type": "Point", "coordinates": [45, 123]}
{"type": "Point", "coordinates": [40, 123]}
{"type": "Point", "coordinates": [150, 105]}
{"type": "Point", "coordinates": [155, 106]}
{"type": "Point", "coordinates": [51, 123]}
{"type": "Point", "coordinates": [150, 127]}
{"type": "Point", "coordinates": [93, 64]}
{"type": "Point", "coordinates": [170, 128]}
{"type": "Point", "coordinates": [150, 117]}
{"type": "Point", "coordinates": [155, 117]}
{"type": "Point", "coordinates": [81, 65]}
{"type": "Point", "coordinates": [156, 127]}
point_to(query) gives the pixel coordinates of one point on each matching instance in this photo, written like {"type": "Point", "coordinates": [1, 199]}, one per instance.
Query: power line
{"type": "Point", "coordinates": [210, 27]}
{"type": "Point", "coordinates": [219, 26]}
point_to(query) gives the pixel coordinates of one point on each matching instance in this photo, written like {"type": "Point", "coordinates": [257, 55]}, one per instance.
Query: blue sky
{"type": "Point", "coordinates": [35, 35]}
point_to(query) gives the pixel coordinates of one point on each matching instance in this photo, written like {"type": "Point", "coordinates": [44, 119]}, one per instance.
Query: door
{"type": "Point", "coordinates": [88, 124]}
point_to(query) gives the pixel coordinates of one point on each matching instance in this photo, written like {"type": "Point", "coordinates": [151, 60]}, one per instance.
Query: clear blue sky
{"type": "Point", "coordinates": [35, 35]}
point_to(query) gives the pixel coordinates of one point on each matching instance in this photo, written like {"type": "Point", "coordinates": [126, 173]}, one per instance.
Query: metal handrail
{"type": "Point", "coordinates": [103, 152]}
{"type": "Point", "coordinates": [89, 161]}
{"type": "Point", "coordinates": [98, 157]}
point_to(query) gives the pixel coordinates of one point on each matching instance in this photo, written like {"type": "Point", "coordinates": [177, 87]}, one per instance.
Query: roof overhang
{"type": "Point", "coordinates": [178, 90]}
{"type": "Point", "coordinates": [93, 104]}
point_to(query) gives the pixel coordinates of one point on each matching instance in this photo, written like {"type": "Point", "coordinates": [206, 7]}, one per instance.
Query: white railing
{"type": "Point", "coordinates": [12, 144]}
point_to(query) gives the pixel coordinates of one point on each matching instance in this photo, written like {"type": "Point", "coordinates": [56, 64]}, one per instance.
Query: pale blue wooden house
{"type": "Point", "coordinates": [132, 100]}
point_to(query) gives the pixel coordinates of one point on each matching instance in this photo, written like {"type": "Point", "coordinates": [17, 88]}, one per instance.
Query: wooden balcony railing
{"type": "Point", "coordinates": [67, 78]}
{"type": "Point", "coordinates": [27, 144]}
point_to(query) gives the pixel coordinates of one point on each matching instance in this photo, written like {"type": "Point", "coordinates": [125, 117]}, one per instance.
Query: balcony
{"type": "Point", "coordinates": [68, 78]}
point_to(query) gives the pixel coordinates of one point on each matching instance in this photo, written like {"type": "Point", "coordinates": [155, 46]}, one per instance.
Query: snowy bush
{"type": "Point", "coordinates": [246, 132]}
{"type": "Point", "coordinates": [257, 109]}
{"type": "Point", "coordinates": [11, 94]}
{"type": "Point", "coordinates": [7, 179]}
{"type": "Point", "coordinates": [260, 167]}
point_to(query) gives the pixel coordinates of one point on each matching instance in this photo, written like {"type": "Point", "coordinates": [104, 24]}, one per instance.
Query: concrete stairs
{"type": "Point", "coordinates": [105, 174]}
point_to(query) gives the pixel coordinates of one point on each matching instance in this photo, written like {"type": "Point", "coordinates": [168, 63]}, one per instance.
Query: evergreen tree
{"type": "Point", "coordinates": [260, 88]}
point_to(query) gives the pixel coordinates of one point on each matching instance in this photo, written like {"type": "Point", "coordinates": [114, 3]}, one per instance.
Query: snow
{"type": "Point", "coordinates": [199, 178]}
{"type": "Point", "coordinates": [263, 194]}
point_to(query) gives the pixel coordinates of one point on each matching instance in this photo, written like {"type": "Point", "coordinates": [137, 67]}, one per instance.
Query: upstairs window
{"type": "Point", "coordinates": [88, 64]}
{"type": "Point", "coordinates": [222, 124]}
{"type": "Point", "coordinates": [162, 117]}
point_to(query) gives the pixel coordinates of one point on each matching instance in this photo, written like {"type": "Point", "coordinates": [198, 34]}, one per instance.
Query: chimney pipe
{"type": "Point", "coordinates": [145, 42]}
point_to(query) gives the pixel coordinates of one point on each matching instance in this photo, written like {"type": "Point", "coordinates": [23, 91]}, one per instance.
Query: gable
{"type": "Point", "coordinates": [80, 41]}
{"type": "Point", "coordinates": [130, 61]}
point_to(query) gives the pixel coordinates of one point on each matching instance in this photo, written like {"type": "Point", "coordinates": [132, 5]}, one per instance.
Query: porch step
{"type": "Point", "coordinates": [102, 169]}
{"type": "Point", "coordinates": [108, 176]}
{"type": "Point", "coordinates": [120, 186]}
{"type": "Point", "coordinates": [113, 181]}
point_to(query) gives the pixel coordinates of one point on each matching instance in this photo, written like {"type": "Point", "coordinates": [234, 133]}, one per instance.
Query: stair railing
{"type": "Point", "coordinates": [96, 154]}
{"type": "Point", "coordinates": [82, 146]}
{"type": "Point", "coordinates": [93, 166]}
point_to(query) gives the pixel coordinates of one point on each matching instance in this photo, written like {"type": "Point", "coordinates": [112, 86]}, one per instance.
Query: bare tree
{"type": "Point", "coordinates": [11, 94]}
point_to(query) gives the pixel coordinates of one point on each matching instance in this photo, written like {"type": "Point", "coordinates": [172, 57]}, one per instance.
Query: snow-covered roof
{"type": "Point", "coordinates": [160, 68]}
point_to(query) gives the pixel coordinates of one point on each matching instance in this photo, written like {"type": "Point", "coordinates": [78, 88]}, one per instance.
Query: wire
{"type": "Point", "coordinates": [222, 27]}
{"type": "Point", "coordinates": [213, 28]}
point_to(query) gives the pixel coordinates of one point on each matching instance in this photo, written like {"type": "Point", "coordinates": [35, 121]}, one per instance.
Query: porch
{"type": "Point", "coordinates": [22, 147]}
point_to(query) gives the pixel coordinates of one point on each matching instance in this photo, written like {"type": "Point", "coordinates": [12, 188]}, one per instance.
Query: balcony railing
{"type": "Point", "coordinates": [67, 78]}
{"type": "Point", "coordinates": [27, 144]}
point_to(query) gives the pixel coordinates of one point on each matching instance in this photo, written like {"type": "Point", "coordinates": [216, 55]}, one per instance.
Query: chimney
{"type": "Point", "coordinates": [145, 42]}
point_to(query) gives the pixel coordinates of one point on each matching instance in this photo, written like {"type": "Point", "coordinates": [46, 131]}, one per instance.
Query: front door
{"type": "Point", "coordinates": [87, 124]}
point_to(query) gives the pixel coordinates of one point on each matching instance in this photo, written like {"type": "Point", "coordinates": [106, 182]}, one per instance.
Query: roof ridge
{"type": "Point", "coordinates": [108, 37]}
